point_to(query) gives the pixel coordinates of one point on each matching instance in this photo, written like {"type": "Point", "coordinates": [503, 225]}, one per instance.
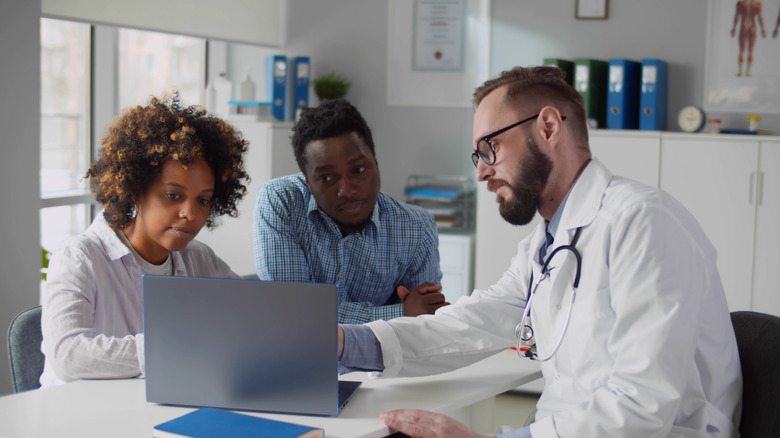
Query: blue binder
{"type": "Point", "coordinates": [276, 85]}
{"type": "Point", "coordinates": [623, 94]}
{"type": "Point", "coordinates": [653, 96]}
{"type": "Point", "coordinates": [301, 67]}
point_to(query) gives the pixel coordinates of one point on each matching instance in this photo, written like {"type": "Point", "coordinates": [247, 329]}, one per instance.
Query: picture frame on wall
{"type": "Point", "coordinates": [740, 78]}
{"type": "Point", "coordinates": [591, 9]}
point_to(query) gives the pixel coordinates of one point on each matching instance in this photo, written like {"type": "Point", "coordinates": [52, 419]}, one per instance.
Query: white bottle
{"type": "Point", "coordinates": [247, 91]}
{"type": "Point", "coordinates": [218, 93]}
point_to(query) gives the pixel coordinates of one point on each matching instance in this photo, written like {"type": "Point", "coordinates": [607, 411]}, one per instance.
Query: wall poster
{"type": "Point", "coordinates": [743, 66]}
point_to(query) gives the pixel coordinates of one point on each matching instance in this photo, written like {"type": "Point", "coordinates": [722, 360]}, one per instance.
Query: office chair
{"type": "Point", "coordinates": [758, 340]}
{"type": "Point", "coordinates": [24, 349]}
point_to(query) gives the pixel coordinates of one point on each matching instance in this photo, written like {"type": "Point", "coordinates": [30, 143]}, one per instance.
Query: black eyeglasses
{"type": "Point", "coordinates": [485, 148]}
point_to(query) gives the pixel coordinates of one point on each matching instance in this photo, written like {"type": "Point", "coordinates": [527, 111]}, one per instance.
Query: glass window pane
{"type": "Point", "coordinates": [59, 223]}
{"type": "Point", "coordinates": [154, 64]}
{"type": "Point", "coordinates": [64, 105]}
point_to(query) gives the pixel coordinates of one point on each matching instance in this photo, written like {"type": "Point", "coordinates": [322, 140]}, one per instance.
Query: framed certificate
{"type": "Point", "coordinates": [591, 9]}
{"type": "Point", "coordinates": [439, 34]}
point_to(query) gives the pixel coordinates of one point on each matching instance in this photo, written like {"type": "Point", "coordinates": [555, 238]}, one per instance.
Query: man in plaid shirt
{"type": "Point", "coordinates": [330, 224]}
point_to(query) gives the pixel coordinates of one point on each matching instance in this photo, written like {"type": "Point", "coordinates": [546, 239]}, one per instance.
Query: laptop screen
{"type": "Point", "coordinates": [241, 344]}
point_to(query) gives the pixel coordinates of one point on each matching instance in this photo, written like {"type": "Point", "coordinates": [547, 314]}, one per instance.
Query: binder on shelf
{"type": "Point", "coordinates": [299, 74]}
{"type": "Point", "coordinates": [653, 95]}
{"type": "Point", "coordinates": [563, 64]}
{"type": "Point", "coordinates": [590, 80]}
{"type": "Point", "coordinates": [276, 85]}
{"type": "Point", "coordinates": [623, 94]}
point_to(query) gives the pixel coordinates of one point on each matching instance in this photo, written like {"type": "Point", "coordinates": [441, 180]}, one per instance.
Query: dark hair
{"type": "Point", "coordinates": [539, 87]}
{"type": "Point", "coordinates": [143, 137]}
{"type": "Point", "coordinates": [332, 118]}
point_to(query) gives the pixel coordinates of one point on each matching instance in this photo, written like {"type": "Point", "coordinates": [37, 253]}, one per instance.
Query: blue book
{"type": "Point", "coordinates": [653, 95]}
{"type": "Point", "coordinates": [218, 423]}
{"type": "Point", "coordinates": [276, 85]}
{"type": "Point", "coordinates": [301, 67]}
{"type": "Point", "coordinates": [433, 192]}
{"type": "Point", "coordinates": [623, 94]}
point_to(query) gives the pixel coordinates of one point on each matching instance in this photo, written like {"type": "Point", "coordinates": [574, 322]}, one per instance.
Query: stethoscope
{"type": "Point", "coordinates": [526, 343]}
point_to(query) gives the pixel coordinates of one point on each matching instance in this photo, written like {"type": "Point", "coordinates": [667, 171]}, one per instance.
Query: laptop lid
{"type": "Point", "coordinates": [241, 344]}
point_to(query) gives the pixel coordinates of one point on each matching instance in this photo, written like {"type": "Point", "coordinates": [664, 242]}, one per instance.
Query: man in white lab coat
{"type": "Point", "coordinates": [646, 349]}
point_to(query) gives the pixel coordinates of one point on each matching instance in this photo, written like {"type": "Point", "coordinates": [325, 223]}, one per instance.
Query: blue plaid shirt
{"type": "Point", "coordinates": [295, 241]}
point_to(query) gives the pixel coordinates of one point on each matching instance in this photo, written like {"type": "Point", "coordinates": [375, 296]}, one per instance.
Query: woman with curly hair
{"type": "Point", "coordinates": [163, 173]}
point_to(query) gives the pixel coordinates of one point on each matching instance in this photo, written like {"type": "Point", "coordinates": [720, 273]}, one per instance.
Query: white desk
{"type": "Point", "coordinates": [118, 408]}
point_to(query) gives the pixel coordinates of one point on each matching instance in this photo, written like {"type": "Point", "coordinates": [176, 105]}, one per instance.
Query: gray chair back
{"type": "Point", "coordinates": [24, 349]}
{"type": "Point", "coordinates": [758, 340]}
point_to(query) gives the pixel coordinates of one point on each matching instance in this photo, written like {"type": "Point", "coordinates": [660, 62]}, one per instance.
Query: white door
{"type": "Point", "coordinates": [766, 292]}
{"type": "Point", "coordinates": [714, 177]}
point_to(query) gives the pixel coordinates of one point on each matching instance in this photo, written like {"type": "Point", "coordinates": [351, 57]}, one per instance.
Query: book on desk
{"type": "Point", "coordinates": [218, 423]}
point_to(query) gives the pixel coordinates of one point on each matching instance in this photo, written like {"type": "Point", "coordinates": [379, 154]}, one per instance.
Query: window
{"type": "Point", "coordinates": [65, 150]}
{"type": "Point", "coordinates": [153, 64]}
{"type": "Point", "coordinates": [147, 63]}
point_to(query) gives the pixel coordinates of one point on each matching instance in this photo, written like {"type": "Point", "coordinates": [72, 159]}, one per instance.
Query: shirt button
{"type": "Point", "coordinates": [558, 307]}
{"type": "Point", "coordinates": [340, 278]}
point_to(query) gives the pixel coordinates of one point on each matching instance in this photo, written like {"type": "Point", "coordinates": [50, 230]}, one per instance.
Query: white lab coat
{"type": "Point", "coordinates": [650, 350]}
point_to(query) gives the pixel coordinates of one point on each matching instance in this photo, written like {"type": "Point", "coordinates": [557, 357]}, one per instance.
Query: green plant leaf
{"type": "Point", "coordinates": [331, 86]}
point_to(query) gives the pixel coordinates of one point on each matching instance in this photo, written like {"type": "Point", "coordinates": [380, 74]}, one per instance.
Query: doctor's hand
{"type": "Point", "coordinates": [425, 424]}
{"type": "Point", "coordinates": [422, 299]}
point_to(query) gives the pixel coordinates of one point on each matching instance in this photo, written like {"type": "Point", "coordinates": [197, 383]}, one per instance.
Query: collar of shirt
{"type": "Point", "coordinates": [116, 249]}
{"type": "Point", "coordinates": [552, 226]}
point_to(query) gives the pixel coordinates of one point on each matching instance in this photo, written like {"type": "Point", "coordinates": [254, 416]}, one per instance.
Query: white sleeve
{"type": "Point", "coordinates": [475, 327]}
{"type": "Point", "coordinates": [74, 346]}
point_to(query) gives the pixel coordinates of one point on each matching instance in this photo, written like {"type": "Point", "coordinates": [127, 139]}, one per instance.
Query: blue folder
{"type": "Point", "coordinates": [276, 85]}
{"type": "Point", "coordinates": [301, 68]}
{"type": "Point", "coordinates": [653, 96]}
{"type": "Point", "coordinates": [623, 94]}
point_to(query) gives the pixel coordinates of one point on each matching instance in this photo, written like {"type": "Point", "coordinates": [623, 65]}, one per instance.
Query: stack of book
{"type": "Point", "coordinates": [449, 199]}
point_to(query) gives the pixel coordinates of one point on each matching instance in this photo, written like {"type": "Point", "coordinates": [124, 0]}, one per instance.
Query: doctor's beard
{"type": "Point", "coordinates": [534, 171]}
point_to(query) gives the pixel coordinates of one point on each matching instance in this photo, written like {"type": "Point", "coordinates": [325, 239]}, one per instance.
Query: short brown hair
{"type": "Point", "coordinates": [142, 138]}
{"type": "Point", "coordinates": [541, 86]}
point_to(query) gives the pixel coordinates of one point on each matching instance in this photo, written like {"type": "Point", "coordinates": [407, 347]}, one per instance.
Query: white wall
{"type": "Point", "coordinates": [19, 175]}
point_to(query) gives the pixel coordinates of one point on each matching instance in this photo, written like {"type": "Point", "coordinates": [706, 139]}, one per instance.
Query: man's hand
{"type": "Point", "coordinates": [421, 300]}
{"type": "Point", "coordinates": [425, 424]}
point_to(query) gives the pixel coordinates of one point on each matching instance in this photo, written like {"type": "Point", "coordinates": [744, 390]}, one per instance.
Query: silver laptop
{"type": "Point", "coordinates": [243, 344]}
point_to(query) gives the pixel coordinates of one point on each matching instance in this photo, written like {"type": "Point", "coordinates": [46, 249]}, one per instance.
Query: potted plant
{"type": "Point", "coordinates": [331, 86]}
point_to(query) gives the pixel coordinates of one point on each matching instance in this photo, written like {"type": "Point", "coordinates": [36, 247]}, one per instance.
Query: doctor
{"type": "Point", "coordinates": [628, 319]}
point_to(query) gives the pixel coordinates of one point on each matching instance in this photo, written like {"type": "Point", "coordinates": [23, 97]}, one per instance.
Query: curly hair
{"type": "Point", "coordinates": [539, 86]}
{"type": "Point", "coordinates": [332, 118]}
{"type": "Point", "coordinates": [142, 138]}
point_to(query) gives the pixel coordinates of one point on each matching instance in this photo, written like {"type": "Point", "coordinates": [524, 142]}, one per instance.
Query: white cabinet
{"type": "Point", "coordinates": [632, 154]}
{"type": "Point", "coordinates": [714, 178]}
{"type": "Point", "coordinates": [269, 156]}
{"type": "Point", "coordinates": [766, 292]}
{"type": "Point", "coordinates": [456, 254]}
{"type": "Point", "coordinates": [732, 185]}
